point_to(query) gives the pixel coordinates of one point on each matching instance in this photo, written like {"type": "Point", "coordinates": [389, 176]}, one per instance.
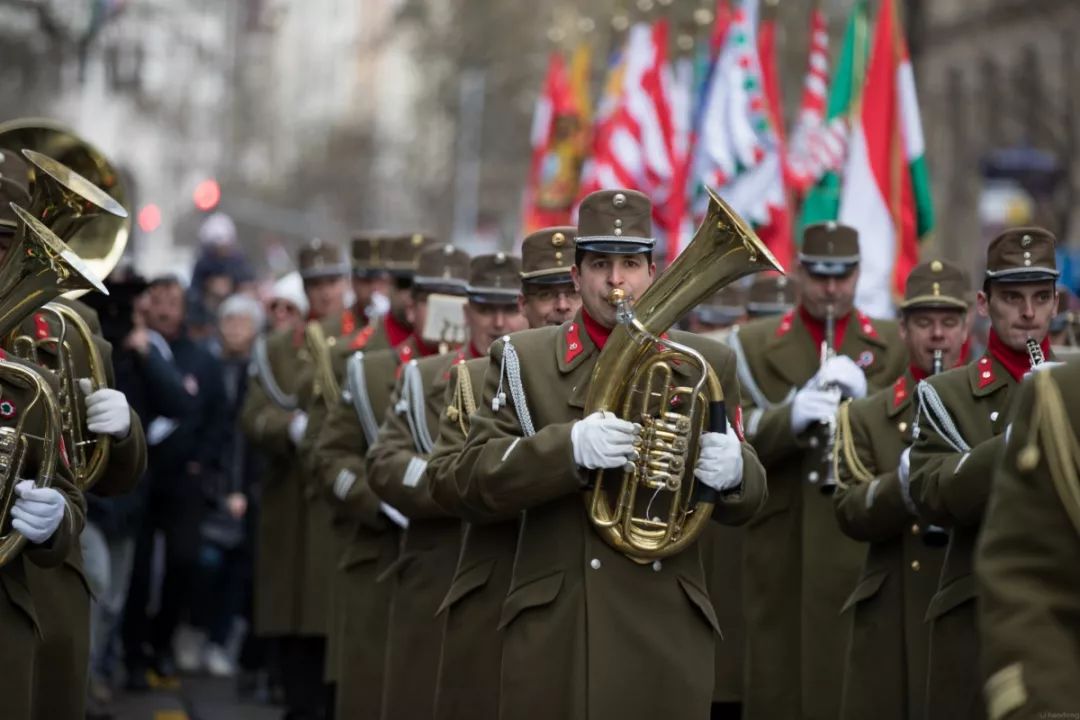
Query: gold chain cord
{"type": "Point", "coordinates": [463, 404]}
{"type": "Point", "coordinates": [1050, 423]}
{"type": "Point", "coordinates": [845, 443]}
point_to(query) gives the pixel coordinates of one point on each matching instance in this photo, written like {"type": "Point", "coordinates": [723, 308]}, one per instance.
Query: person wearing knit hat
{"type": "Point", "coordinates": [885, 665]}
{"type": "Point", "coordinates": [287, 304]}
{"type": "Point", "coordinates": [958, 445]}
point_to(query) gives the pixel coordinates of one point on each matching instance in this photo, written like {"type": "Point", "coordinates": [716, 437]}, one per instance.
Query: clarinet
{"type": "Point", "coordinates": [1035, 353]}
{"type": "Point", "coordinates": [935, 535]}
{"type": "Point", "coordinates": [828, 427]}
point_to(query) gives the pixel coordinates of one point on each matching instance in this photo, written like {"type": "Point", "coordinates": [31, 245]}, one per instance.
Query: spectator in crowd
{"type": "Point", "coordinates": [184, 452]}
{"type": "Point", "coordinates": [288, 303]}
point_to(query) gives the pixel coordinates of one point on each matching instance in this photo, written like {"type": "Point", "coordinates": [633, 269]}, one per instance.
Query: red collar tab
{"type": "Point", "coordinates": [348, 323]}
{"type": "Point", "coordinates": [785, 324]}
{"type": "Point", "coordinates": [360, 340]}
{"type": "Point", "coordinates": [573, 342]}
{"type": "Point", "coordinates": [424, 349]}
{"type": "Point", "coordinates": [817, 328]}
{"type": "Point", "coordinates": [899, 391]}
{"type": "Point", "coordinates": [1016, 362]}
{"type": "Point", "coordinates": [918, 373]}
{"type": "Point", "coordinates": [986, 371]}
{"type": "Point", "coordinates": [396, 333]}
{"type": "Point", "coordinates": [597, 332]}
{"type": "Point", "coordinates": [473, 353]}
{"type": "Point", "coordinates": [41, 326]}
{"type": "Point", "coordinates": [405, 354]}
{"type": "Point", "coordinates": [866, 325]}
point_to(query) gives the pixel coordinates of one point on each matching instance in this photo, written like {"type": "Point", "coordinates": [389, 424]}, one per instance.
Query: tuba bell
{"type": "Point", "coordinates": [636, 366]}
{"type": "Point", "coordinates": [38, 267]}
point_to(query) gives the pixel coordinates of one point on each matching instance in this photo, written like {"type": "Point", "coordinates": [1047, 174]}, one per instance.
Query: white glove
{"type": "Point", "coordinates": [843, 372]}
{"type": "Point", "coordinates": [904, 470]}
{"type": "Point", "coordinates": [602, 440]}
{"type": "Point", "coordinates": [811, 406]}
{"type": "Point", "coordinates": [720, 464]}
{"type": "Point", "coordinates": [297, 427]}
{"type": "Point", "coordinates": [107, 410]}
{"type": "Point", "coordinates": [37, 512]}
{"type": "Point", "coordinates": [1043, 367]}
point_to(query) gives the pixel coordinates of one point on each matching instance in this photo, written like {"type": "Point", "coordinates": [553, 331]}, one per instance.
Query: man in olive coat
{"type": "Point", "coordinates": [587, 631]}
{"type": "Point", "coordinates": [798, 567]}
{"type": "Point", "coordinates": [885, 667]}
{"type": "Point", "coordinates": [290, 585]}
{"type": "Point", "coordinates": [1026, 562]}
{"type": "Point", "coordinates": [471, 641]}
{"type": "Point", "coordinates": [963, 415]}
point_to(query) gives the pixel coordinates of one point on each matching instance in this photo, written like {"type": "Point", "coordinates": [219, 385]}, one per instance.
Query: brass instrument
{"type": "Point", "coordinates": [939, 359]}
{"type": "Point", "coordinates": [319, 346]}
{"type": "Point", "coordinates": [37, 268]}
{"type": "Point", "coordinates": [827, 433]}
{"type": "Point", "coordinates": [632, 377]}
{"type": "Point", "coordinates": [87, 465]}
{"type": "Point", "coordinates": [74, 183]}
{"type": "Point", "coordinates": [935, 535]}
{"type": "Point", "coordinates": [1035, 353]}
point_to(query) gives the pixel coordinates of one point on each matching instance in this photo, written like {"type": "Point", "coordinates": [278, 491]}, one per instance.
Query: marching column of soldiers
{"type": "Point", "coordinates": [564, 507]}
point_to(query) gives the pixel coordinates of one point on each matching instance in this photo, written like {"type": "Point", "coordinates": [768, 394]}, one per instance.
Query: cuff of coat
{"type": "Point", "coordinates": [53, 551]}
{"type": "Point", "coordinates": [739, 505]}
{"type": "Point", "coordinates": [966, 491]}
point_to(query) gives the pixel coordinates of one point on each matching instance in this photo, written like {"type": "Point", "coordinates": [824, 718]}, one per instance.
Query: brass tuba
{"type": "Point", "coordinates": [635, 368]}
{"type": "Point", "coordinates": [37, 268]}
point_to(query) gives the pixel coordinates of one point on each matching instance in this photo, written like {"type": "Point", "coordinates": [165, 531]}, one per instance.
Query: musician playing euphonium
{"type": "Point", "coordinates": [587, 631]}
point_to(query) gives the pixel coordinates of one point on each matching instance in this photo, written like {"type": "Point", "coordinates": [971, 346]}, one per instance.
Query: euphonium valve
{"type": "Point", "coordinates": [1035, 353]}
{"type": "Point", "coordinates": [654, 507]}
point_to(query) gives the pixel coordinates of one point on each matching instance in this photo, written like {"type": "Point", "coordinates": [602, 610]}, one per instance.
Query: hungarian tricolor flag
{"type": "Point", "coordinates": [886, 192]}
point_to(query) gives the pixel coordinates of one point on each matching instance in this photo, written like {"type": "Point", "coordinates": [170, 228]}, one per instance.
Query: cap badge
{"type": "Point", "coordinates": [936, 266]}
{"type": "Point", "coordinates": [781, 281]}
{"type": "Point", "coordinates": [417, 239]}
{"type": "Point", "coordinates": [1025, 241]}
{"type": "Point", "coordinates": [558, 240]}
{"type": "Point", "coordinates": [937, 289]}
{"type": "Point", "coordinates": [619, 200]}
{"type": "Point", "coordinates": [500, 258]}
{"type": "Point", "coordinates": [831, 225]}
{"type": "Point", "coordinates": [558, 256]}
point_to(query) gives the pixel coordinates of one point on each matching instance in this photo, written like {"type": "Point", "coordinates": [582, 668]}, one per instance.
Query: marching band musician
{"type": "Point", "coordinates": [339, 446]}
{"type": "Point", "coordinates": [290, 593]}
{"type": "Point", "coordinates": [471, 641]}
{"type": "Point", "coordinates": [962, 420]}
{"type": "Point", "coordinates": [885, 666]}
{"type": "Point", "coordinates": [799, 567]}
{"type": "Point", "coordinates": [587, 631]}
{"type": "Point", "coordinates": [1026, 560]}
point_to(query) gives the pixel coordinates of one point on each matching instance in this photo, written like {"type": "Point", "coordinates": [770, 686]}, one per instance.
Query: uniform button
{"type": "Point", "coordinates": [595, 563]}
{"type": "Point", "coordinates": [813, 476]}
{"type": "Point", "coordinates": [994, 416]}
{"type": "Point", "coordinates": [657, 565]}
{"type": "Point", "coordinates": [902, 427]}
{"type": "Point", "coordinates": [915, 529]}
{"type": "Point", "coordinates": [986, 375]}
{"type": "Point", "coordinates": [814, 441]}
{"type": "Point", "coordinates": [915, 565]}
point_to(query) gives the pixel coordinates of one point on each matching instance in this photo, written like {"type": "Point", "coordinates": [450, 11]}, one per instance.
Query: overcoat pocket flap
{"type": "Point", "coordinates": [867, 588]}
{"type": "Point", "coordinates": [535, 593]}
{"type": "Point", "coordinates": [700, 599]}
{"type": "Point", "coordinates": [397, 567]}
{"type": "Point", "coordinates": [953, 595]}
{"type": "Point", "coordinates": [357, 554]}
{"type": "Point", "coordinates": [466, 581]}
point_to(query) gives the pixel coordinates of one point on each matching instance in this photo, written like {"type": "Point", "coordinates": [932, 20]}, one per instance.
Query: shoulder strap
{"type": "Point", "coordinates": [356, 391]}
{"type": "Point", "coordinates": [260, 363]}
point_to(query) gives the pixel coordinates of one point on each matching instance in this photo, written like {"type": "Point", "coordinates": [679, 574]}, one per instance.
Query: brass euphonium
{"type": "Point", "coordinates": [66, 202]}
{"type": "Point", "coordinates": [635, 368]}
{"type": "Point", "coordinates": [37, 268]}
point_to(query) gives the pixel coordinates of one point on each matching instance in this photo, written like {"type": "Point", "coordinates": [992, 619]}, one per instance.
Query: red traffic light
{"type": "Point", "coordinates": [149, 218]}
{"type": "Point", "coordinates": [207, 195]}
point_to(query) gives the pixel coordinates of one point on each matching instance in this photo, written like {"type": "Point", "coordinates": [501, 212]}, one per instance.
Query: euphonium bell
{"type": "Point", "coordinates": [631, 373]}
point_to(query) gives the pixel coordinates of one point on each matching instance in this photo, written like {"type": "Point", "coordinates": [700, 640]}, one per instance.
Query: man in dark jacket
{"type": "Point", "coordinates": [182, 452]}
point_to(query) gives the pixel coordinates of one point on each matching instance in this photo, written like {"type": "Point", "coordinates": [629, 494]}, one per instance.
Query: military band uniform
{"type": "Point", "coordinates": [884, 670]}
{"type": "Point", "coordinates": [1026, 561]}
{"type": "Point", "coordinates": [342, 444]}
{"type": "Point", "coordinates": [471, 650]}
{"type": "Point", "coordinates": [23, 632]}
{"type": "Point", "coordinates": [798, 567]}
{"type": "Point", "coordinates": [62, 595]}
{"type": "Point", "coordinates": [574, 637]}
{"type": "Point", "coordinates": [963, 416]}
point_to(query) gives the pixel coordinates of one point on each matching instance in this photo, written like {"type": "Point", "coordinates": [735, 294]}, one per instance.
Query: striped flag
{"type": "Point", "coordinates": [886, 193]}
